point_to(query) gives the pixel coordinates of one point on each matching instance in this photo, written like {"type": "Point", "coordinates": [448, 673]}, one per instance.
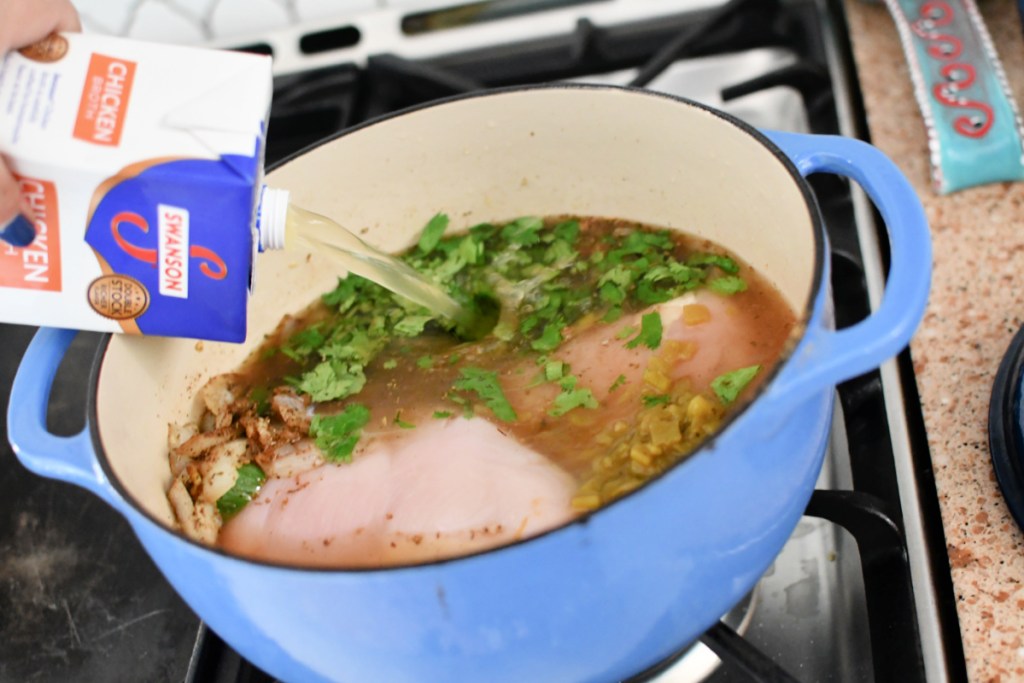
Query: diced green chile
{"type": "Point", "coordinates": [247, 485]}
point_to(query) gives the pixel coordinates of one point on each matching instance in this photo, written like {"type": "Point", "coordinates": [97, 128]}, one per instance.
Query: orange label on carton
{"type": "Point", "coordinates": [101, 112]}
{"type": "Point", "coordinates": [36, 266]}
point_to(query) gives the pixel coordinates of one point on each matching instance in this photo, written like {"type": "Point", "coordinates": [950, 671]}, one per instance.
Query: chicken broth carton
{"type": "Point", "coordinates": [142, 164]}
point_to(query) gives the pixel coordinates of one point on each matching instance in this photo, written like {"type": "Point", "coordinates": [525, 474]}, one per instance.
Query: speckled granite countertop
{"type": "Point", "coordinates": [976, 306]}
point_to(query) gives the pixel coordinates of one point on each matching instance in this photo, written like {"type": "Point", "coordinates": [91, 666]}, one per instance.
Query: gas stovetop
{"type": "Point", "coordinates": [861, 592]}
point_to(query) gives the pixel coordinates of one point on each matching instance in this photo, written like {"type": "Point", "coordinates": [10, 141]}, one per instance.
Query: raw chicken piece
{"type": "Point", "coordinates": [598, 356]}
{"type": "Point", "coordinates": [445, 488]}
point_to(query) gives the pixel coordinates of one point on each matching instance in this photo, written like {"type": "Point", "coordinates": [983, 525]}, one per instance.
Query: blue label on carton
{"type": "Point", "coordinates": [175, 246]}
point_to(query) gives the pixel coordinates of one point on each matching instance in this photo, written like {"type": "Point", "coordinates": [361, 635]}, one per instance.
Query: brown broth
{"type": "Point", "coordinates": [408, 393]}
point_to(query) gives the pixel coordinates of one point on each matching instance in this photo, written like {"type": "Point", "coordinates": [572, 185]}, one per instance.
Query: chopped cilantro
{"type": "Point", "coordinates": [523, 231]}
{"type": "Point", "coordinates": [650, 292]}
{"type": "Point", "coordinates": [613, 314]}
{"type": "Point", "coordinates": [303, 343]}
{"type": "Point", "coordinates": [343, 296]}
{"type": "Point", "coordinates": [260, 397]}
{"type": "Point", "coordinates": [402, 423]}
{"type": "Point", "coordinates": [728, 284]}
{"type": "Point", "coordinates": [412, 325]}
{"type": "Point", "coordinates": [612, 293]}
{"type": "Point", "coordinates": [619, 381]}
{"type": "Point", "coordinates": [467, 407]}
{"type": "Point", "coordinates": [729, 385]}
{"type": "Point", "coordinates": [332, 380]}
{"type": "Point", "coordinates": [558, 253]}
{"type": "Point", "coordinates": [650, 332]}
{"type": "Point", "coordinates": [336, 435]}
{"type": "Point", "coordinates": [471, 251]}
{"type": "Point", "coordinates": [655, 400]}
{"type": "Point", "coordinates": [431, 235]}
{"type": "Point", "coordinates": [572, 398]}
{"type": "Point", "coordinates": [550, 338]}
{"type": "Point", "coordinates": [627, 331]}
{"type": "Point", "coordinates": [425, 362]}
{"type": "Point", "coordinates": [248, 483]}
{"type": "Point", "coordinates": [724, 262]}
{"type": "Point", "coordinates": [482, 232]}
{"type": "Point", "coordinates": [442, 414]}
{"type": "Point", "coordinates": [485, 384]}
{"type": "Point", "coordinates": [618, 275]}
{"type": "Point", "coordinates": [553, 370]}
{"type": "Point", "coordinates": [568, 231]}
{"type": "Point", "coordinates": [390, 364]}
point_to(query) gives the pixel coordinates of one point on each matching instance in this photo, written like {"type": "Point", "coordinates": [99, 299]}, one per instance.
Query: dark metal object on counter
{"type": "Point", "coordinates": [1006, 427]}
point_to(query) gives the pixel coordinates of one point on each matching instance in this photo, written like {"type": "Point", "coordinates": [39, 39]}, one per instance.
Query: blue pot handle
{"type": "Point", "coordinates": [828, 356]}
{"type": "Point", "coordinates": [68, 458]}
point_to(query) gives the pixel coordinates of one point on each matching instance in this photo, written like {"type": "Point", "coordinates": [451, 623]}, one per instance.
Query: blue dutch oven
{"type": "Point", "coordinates": [615, 591]}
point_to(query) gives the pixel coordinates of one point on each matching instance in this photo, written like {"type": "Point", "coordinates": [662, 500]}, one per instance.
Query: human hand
{"type": "Point", "coordinates": [23, 22]}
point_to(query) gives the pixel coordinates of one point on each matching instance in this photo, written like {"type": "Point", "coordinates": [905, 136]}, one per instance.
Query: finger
{"type": "Point", "coordinates": [26, 21]}
{"type": "Point", "coordinates": [16, 226]}
{"type": "Point", "coordinates": [67, 18]}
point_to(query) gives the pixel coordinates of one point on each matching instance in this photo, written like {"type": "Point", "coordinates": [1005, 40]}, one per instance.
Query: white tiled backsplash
{"type": "Point", "coordinates": [200, 21]}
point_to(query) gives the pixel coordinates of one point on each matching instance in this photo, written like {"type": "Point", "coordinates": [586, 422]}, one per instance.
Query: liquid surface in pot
{"type": "Point", "coordinates": [364, 432]}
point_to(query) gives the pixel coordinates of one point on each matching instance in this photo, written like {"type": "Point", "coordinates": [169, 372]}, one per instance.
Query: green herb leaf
{"type": "Point", "coordinates": [627, 331]}
{"type": "Point", "coordinates": [613, 314]}
{"type": "Point", "coordinates": [655, 400]}
{"type": "Point", "coordinates": [248, 483]}
{"type": "Point", "coordinates": [723, 262]}
{"type": "Point", "coordinates": [612, 293]}
{"type": "Point", "coordinates": [442, 414]}
{"type": "Point", "coordinates": [260, 396]}
{"type": "Point", "coordinates": [303, 343]}
{"type": "Point", "coordinates": [553, 370]}
{"type": "Point", "coordinates": [650, 332]}
{"type": "Point", "coordinates": [618, 275]}
{"type": "Point", "coordinates": [649, 293]}
{"type": "Point", "coordinates": [523, 231]}
{"type": "Point", "coordinates": [344, 295]}
{"type": "Point", "coordinates": [332, 380]}
{"type": "Point", "coordinates": [619, 381]}
{"type": "Point", "coordinates": [729, 385]}
{"type": "Point", "coordinates": [402, 423]}
{"type": "Point", "coordinates": [336, 435]}
{"type": "Point", "coordinates": [571, 398]}
{"type": "Point", "coordinates": [568, 231]}
{"type": "Point", "coordinates": [425, 362]}
{"type": "Point", "coordinates": [431, 235]}
{"type": "Point", "coordinates": [412, 325]}
{"type": "Point", "coordinates": [550, 338]}
{"type": "Point", "coordinates": [485, 384]}
{"type": "Point", "coordinates": [390, 364]}
{"type": "Point", "coordinates": [728, 284]}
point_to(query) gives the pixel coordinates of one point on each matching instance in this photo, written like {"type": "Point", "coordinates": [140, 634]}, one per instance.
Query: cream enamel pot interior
{"type": "Point", "coordinates": [607, 595]}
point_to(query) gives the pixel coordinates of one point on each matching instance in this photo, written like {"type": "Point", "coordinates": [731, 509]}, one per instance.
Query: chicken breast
{"type": "Point", "coordinates": [698, 343]}
{"type": "Point", "coordinates": [446, 488]}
